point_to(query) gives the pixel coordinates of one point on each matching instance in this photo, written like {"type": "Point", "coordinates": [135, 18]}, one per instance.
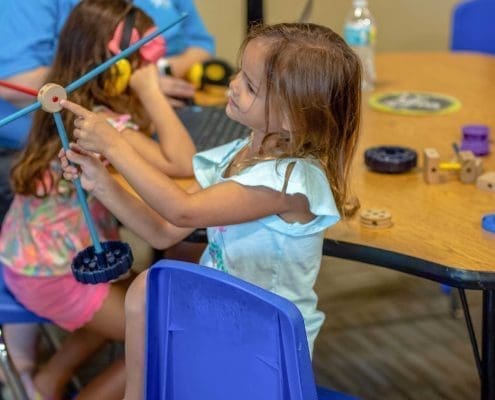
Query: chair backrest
{"type": "Point", "coordinates": [472, 26]}
{"type": "Point", "coordinates": [213, 336]}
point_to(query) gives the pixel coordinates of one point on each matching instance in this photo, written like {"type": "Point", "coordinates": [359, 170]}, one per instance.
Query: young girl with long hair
{"type": "Point", "coordinates": [44, 228]}
{"type": "Point", "coordinates": [266, 200]}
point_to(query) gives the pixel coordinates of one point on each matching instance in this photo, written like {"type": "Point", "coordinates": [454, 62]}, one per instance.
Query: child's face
{"type": "Point", "coordinates": [247, 96]}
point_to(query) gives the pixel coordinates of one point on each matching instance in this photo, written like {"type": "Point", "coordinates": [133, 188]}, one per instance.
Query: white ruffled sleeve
{"type": "Point", "coordinates": [210, 164]}
{"type": "Point", "coordinates": [308, 179]}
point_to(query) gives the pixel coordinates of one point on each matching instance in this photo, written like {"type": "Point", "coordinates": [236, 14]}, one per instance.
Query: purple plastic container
{"type": "Point", "coordinates": [476, 138]}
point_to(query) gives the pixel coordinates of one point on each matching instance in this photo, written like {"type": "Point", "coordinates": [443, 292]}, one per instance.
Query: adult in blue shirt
{"type": "Point", "coordinates": [29, 32]}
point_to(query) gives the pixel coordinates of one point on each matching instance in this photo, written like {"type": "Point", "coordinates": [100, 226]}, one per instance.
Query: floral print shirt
{"type": "Point", "coordinates": [40, 236]}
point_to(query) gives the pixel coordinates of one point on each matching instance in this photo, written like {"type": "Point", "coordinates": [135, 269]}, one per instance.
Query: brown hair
{"type": "Point", "coordinates": [82, 46]}
{"type": "Point", "coordinates": [313, 78]}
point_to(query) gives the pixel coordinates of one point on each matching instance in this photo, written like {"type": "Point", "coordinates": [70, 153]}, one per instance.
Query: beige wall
{"type": "Point", "coordinates": [402, 24]}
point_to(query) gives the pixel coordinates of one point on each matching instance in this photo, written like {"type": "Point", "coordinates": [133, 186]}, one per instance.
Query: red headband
{"type": "Point", "coordinates": [150, 51]}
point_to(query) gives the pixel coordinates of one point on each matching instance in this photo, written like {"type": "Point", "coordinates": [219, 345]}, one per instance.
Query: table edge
{"type": "Point", "coordinates": [452, 276]}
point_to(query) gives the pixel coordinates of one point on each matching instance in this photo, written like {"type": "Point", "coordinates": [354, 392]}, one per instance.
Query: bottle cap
{"type": "Point", "coordinates": [360, 3]}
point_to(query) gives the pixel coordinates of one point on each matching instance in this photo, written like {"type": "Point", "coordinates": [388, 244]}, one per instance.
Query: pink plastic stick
{"type": "Point", "coordinates": [22, 89]}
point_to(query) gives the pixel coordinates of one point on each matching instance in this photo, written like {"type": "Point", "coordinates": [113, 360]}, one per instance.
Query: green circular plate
{"type": "Point", "coordinates": [414, 103]}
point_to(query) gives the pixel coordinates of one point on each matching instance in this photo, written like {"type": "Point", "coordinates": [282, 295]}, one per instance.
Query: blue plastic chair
{"type": "Point", "coordinates": [472, 27]}
{"type": "Point", "coordinates": [212, 336]}
{"type": "Point", "coordinates": [12, 312]}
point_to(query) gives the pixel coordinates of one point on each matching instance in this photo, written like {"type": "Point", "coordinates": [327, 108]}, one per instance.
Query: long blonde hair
{"type": "Point", "coordinates": [314, 79]}
{"type": "Point", "coordinates": [82, 46]}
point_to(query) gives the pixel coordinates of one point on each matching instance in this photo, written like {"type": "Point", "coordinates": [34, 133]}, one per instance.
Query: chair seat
{"type": "Point", "coordinates": [329, 394]}
{"type": "Point", "coordinates": [11, 311]}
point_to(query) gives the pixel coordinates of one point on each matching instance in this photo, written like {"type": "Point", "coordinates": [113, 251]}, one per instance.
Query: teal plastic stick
{"type": "Point", "coordinates": [81, 195]}
{"type": "Point", "coordinates": [20, 113]}
{"type": "Point", "coordinates": [123, 54]}
{"type": "Point", "coordinates": [96, 71]}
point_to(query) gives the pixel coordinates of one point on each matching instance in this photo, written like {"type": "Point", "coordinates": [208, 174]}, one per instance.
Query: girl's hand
{"type": "Point", "coordinates": [92, 131]}
{"type": "Point", "coordinates": [145, 80]}
{"type": "Point", "coordinates": [89, 166]}
{"type": "Point", "coordinates": [178, 91]}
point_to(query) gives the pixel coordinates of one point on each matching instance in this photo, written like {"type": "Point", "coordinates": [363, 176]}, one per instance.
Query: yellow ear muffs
{"type": "Point", "coordinates": [120, 75]}
{"type": "Point", "coordinates": [216, 72]}
{"type": "Point", "coordinates": [195, 75]}
{"type": "Point", "coordinates": [211, 72]}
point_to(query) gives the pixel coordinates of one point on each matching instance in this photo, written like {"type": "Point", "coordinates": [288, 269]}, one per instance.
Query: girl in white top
{"type": "Point", "coordinates": [266, 200]}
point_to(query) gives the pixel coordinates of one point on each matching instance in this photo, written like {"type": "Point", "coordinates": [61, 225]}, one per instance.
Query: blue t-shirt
{"type": "Point", "coordinates": [29, 30]}
{"type": "Point", "coordinates": [277, 255]}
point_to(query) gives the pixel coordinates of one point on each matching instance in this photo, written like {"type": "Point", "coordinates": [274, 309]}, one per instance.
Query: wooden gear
{"type": "Point", "coordinates": [50, 95]}
{"type": "Point", "coordinates": [376, 218]}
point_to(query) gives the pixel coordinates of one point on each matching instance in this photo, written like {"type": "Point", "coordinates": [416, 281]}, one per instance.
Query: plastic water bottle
{"type": "Point", "coordinates": [360, 34]}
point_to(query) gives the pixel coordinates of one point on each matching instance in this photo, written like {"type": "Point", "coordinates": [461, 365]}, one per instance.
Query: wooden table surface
{"type": "Point", "coordinates": [439, 223]}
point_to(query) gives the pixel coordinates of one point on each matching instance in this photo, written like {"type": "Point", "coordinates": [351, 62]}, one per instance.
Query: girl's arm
{"type": "Point", "coordinates": [151, 150]}
{"type": "Point", "coordinates": [221, 204]}
{"type": "Point", "coordinates": [127, 208]}
{"type": "Point", "coordinates": [175, 143]}
{"type": "Point", "coordinates": [181, 63]}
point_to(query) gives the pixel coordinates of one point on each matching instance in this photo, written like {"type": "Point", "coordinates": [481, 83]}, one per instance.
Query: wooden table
{"type": "Point", "coordinates": [436, 231]}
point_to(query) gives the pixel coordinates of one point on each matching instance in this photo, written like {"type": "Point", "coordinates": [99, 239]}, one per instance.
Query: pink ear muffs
{"type": "Point", "coordinates": [151, 51]}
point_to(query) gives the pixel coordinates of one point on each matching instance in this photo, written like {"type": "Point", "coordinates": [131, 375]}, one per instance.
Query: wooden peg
{"type": "Point", "coordinates": [471, 166]}
{"type": "Point", "coordinates": [431, 166]}
{"type": "Point", "coordinates": [486, 181]}
{"type": "Point", "coordinates": [351, 206]}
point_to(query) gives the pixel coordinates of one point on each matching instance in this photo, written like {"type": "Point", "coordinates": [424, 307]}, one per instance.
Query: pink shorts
{"type": "Point", "coordinates": [61, 299]}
